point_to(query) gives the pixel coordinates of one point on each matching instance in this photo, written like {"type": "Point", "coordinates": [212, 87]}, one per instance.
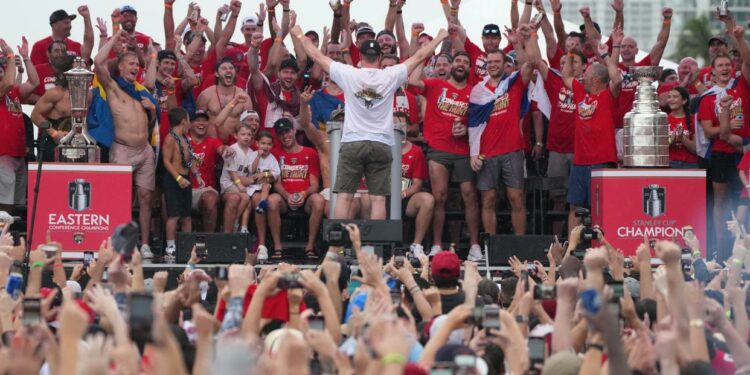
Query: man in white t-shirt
{"type": "Point", "coordinates": [368, 126]}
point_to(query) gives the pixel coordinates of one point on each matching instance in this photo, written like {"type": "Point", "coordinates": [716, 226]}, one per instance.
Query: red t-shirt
{"type": "Point", "coordinates": [479, 61]}
{"type": "Point", "coordinates": [39, 50]}
{"type": "Point", "coordinates": [503, 134]}
{"type": "Point", "coordinates": [205, 156]}
{"type": "Point", "coordinates": [445, 103]}
{"type": "Point", "coordinates": [11, 125]}
{"type": "Point", "coordinates": [414, 164]}
{"type": "Point", "coordinates": [47, 79]}
{"type": "Point", "coordinates": [562, 117]}
{"type": "Point", "coordinates": [595, 127]}
{"type": "Point", "coordinates": [298, 168]}
{"type": "Point", "coordinates": [141, 41]}
{"type": "Point", "coordinates": [164, 124]}
{"type": "Point", "coordinates": [555, 61]}
{"type": "Point", "coordinates": [627, 92]}
{"type": "Point", "coordinates": [709, 110]}
{"type": "Point", "coordinates": [677, 151]}
{"type": "Point", "coordinates": [275, 307]}
{"type": "Point", "coordinates": [706, 75]}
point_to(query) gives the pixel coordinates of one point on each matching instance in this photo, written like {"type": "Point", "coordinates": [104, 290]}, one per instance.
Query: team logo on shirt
{"type": "Point", "coordinates": [480, 66]}
{"type": "Point", "coordinates": [199, 158]}
{"type": "Point", "coordinates": [452, 105]}
{"type": "Point", "coordinates": [565, 101]}
{"type": "Point", "coordinates": [298, 172]}
{"type": "Point", "coordinates": [13, 104]}
{"type": "Point", "coordinates": [501, 103]}
{"type": "Point", "coordinates": [587, 110]}
{"type": "Point", "coordinates": [368, 96]}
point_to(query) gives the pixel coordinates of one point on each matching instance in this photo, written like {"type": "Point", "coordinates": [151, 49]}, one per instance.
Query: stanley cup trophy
{"type": "Point", "coordinates": [78, 146]}
{"type": "Point", "coordinates": [646, 130]}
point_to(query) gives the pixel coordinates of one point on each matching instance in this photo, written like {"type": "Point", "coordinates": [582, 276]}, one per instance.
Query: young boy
{"type": "Point", "coordinates": [235, 177]}
{"type": "Point", "coordinates": [177, 155]}
{"type": "Point", "coordinates": [264, 171]}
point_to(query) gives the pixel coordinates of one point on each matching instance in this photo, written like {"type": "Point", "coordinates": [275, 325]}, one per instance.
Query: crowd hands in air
{"type": "Point", "coordinates": [602, 313]}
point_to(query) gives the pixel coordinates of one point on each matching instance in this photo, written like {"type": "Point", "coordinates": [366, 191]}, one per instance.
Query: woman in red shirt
{"type": "Point", "coordinates": [681, 130]}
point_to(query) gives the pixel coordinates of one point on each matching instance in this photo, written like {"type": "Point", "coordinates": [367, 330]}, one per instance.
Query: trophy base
{"type": "Point", "coordinates": [75, 154]}
{"type": "Point", "coordinates": [646, 161]}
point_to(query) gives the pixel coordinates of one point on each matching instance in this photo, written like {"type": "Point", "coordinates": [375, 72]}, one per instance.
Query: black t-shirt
{"type": "Point", "coordinates": [449, 301]}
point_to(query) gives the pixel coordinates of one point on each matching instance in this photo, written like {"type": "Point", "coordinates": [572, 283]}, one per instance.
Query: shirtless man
{"type": "Point", "coordinates": [218, 96]}
{"type": "Point", "coordinates": [131, 118]}
{"type": "Point", "coordinates": [53, 108]}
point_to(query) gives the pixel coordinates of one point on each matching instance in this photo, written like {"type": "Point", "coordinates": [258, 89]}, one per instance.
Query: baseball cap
{"type": "Point", "coordinates": [166, 54]}
{"type": "Point", "coordinates": [250, 20]}
{"type": "Point", "coordinates": [199, 113]}
{"type": "Point", "coordinates": [445, 264]}
{"type": "Point", "coordinates": [491, 29]}
{"type": "Point", "coordinates": [60, 15]}
{"type": "Point", "coordinates": [365, 29]}
{"type": "Point", "coordinates": [247, 114]}
{"type": "Point", "coordinates": [128, 8]}
{"type": "Point", "coordinates": [370, 48]}
{"type": "Point", "coordinates": [289, 64]}
{"type": "Point", "coordinates": [719, 39]}
{"type": "Point", "coordinates": [283, 124]}
{"type": "Point", "coordinates": [596, 26]}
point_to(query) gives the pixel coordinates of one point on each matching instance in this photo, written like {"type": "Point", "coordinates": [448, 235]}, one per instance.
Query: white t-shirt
{"type": "Point", "coordinates": [240, 163]}
{"type": "Point", "coordinates": [268, 163]}
{"type": "Point", "coordinates": [369, 100]}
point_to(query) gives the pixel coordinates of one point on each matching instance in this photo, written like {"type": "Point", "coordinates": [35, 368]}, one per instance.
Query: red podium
{"type": "Point", "coordinates": [629, 204]}
{"type": "Point", "coordinates": [80, 204]}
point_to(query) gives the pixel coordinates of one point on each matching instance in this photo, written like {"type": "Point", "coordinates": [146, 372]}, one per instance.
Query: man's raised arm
{"type": "Point", "coordinates": [101, 66]}
{"type": "Point", "coordinates": [425, 52]}
{"type": "Point", "coordinates": [661, 40]}
{"type": "Point", "coordinates": [310, 49]}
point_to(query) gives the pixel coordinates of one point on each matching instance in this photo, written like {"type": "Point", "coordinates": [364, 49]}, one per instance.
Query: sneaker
{"type": "Point", "coordinates": [262, 254]}
{"type": "Point", "coordinates": [416, 249]}
{"type": "Point", "coordinates": [475, 253]}
{"type": "Point", "coordinates": [435, 249]}
{"type": "Point", "coordinates": [169, 254]}
{"type": "Point", "coordinates": [244, 230]}
{"type": "Point", "coordinates": [146, 254]}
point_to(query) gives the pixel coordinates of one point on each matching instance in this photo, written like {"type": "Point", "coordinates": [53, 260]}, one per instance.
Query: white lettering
{"type": "Point", "coordinates": [650, 232]}
{"type": "Point", "coordinates": [78, 219]}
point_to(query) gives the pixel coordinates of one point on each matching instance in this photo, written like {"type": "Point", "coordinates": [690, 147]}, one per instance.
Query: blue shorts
{"type": "Point", "coordinates": [579, 183]}
{"type": "Point", "coordinates": [676, 164]}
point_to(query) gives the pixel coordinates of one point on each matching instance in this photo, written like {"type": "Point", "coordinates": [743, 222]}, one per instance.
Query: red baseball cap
{"type": "Point", "coordinates": [666, 87]}
{"type": "Point", "coordinates": [446, 265]}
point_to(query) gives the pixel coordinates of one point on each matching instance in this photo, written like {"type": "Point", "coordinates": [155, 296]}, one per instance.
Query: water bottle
{"type": "Point", "coordinates": [15, 285]}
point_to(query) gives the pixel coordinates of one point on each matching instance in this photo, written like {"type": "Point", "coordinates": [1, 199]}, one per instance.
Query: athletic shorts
{"type": "Point", "coordinates": [579, 183]}
{"type": "Point", "coordinates": [723, 167]}
{"type": "Point", "coordinates": [507, 169]}
{"type": "Point", "coordinates": [178, 200]}
{"type": "Point", "coordinates": [459, 166]}
{"type": "Point", "coordinates": [559, 166]}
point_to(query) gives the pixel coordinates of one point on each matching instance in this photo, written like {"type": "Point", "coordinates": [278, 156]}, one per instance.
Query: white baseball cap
{"type": "Point", "coordinates": [250, 20]}
{"type": "Point", "coordinates": [247, 114]}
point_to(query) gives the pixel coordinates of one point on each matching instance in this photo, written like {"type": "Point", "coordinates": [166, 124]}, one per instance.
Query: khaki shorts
{"type": "Point", "coordinates": [368, 158]}
{"type": "Point", "coordinates": [141, 158]}
{"type": "Point", "coordinates": [12, 180]}
{"type": "Point", "coordinates": [197, 193]}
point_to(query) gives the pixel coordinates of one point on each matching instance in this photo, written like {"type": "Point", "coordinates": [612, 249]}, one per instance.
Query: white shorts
{"type": "Point", "coordinates": [197, 195]}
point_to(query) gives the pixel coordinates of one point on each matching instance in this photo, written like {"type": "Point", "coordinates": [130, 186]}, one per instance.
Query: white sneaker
{"type": "Point", "coordinates": [475, 253]}
{"type": "Point", "coordinates": [262, 254]}
{"type": "Point", "coordinates": [435, 249]}
{"type": "Point", "coordinates": [244, 230]}
{"type": "Point", "coordinates": [169, 254]}
{"type": "Point", "coordinates": [416, 249]}
{"type": "Point", "coordinates": [146, 254]}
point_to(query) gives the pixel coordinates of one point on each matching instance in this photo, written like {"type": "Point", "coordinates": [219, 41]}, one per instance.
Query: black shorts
{"type": "Point", "coordinates": [178, 200]}
{"type": "Point", "coordinates": [459, 166]}
{"type": "Point", "coordinates": [723, 167]}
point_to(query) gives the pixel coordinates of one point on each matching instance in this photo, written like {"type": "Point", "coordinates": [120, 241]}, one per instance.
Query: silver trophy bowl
{"type": "Point", "coordinates": [646, 129]}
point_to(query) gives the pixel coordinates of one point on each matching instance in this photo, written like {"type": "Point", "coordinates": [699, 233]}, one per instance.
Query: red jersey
{"type": "Point", "coordinates": [627, 92]}
{"type": "Point", "coordinates": [275, 307]}
{"type": "Point", "coordinates": [39, 50]}
{"type": "Point", "coordinates": [445, 103]}
{"type": "Point", "coordinates": [595, 127]}
{"type": "Point", "coordinates": [502, 134]}
{"type": "Point", "coordinates": [706, 75]}
{"type": "Point", "coordinates": [479, 61]}
{"type": "Point", "coordinates": [555, 61]}
{"type": "Point", "coordinates": [562, 117]}
{"type": "Point", "coordinates": [677, 151]}
{"type": "Point", "coordinates": [414, 164]}
{"type": "Point", "coordinates": [141, 41]}
{"type": "Point", "coordinates": [12, 126]}
{"type": "Point", "coordinates": [164, 124]}
{"type": "Point", "coordinates": [709, 111]}
{"type": "Point", "coordinates": [744, 166]}
{"type": "Point", "coordinates": [205, 155]}
{"type": "Point", "coordinates": [298, 168]}
{"type": "Point", "coordinates": [47, 78]}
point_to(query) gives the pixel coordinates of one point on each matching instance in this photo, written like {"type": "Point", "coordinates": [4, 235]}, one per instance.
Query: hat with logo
{"type": "Point", "coordinates": [60, 15]}
{"type": "Point", "coordinates": [446, 265]}
{"type": "Point", "coordinates": [128, 8]}
{"type": "Point", "coordinates": [491, 29]}
{"type": "Point", "coordinates": [251, 20]}
{"type": "Point", "coordinates": [365, 29]}
{"type": "Point", "coordinates": [283, 124]}
{"type": "Point", "coordinates": [370, 48]}
{"type": "Point", "coordinates": [199, 113]}
{"type": "Point", "coordinates": [247, 114]}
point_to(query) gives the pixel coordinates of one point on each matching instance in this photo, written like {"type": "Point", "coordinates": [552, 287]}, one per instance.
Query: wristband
{"type": "Point", "coordinates": [482, 157]}
{"type": "Point", "coordinates": [178, 178]}
{"type": "Point", "coordinates": [737, 262]}
{"type": "Point", "coordinates": [446, 1]}
{"type": "Point", "coordinates": [393, 359]}
{"type": "Point", "coordinates": [59, 265]}
{"type": "Point", "coordinates": [237, 181]}
{"type": "Point", "coordinates": [593, 345]}
{"type": "Point", "coordinates": [168, 6]}
{"type": "Point", "coordinates": [399, 12]}
{"type": "Point", "coordinates": [271, 11]}
{"type": "Point", "coordinates": [698, 323]}
{"type": "Point", "coordinates": [279, 39]}
{"type": "Point", "coordinates": [697, 254]}
{"type": "Point", "coordinates": [667, 21]}
{"type": "Point", "coordinates": [260, 24]}
{"type": "Point", "coordinates": [604, 55]}
{"type": "Point", "coordinates": [616, 46]}
{"type": "Point", "coordinates": [102, 35]}
{"type": "Point", "coordinates": [556, 13]}
{"type": "Point", "coordinates": [522, 319]}
{"type": "Point", "coordinates": [190, 266]}
{"type": "Point", "coordinates": [286, 10]}
{"type": "Point", "coordinates": [37, 264]}
{"type": "Point", "coordinates": [414, 33]}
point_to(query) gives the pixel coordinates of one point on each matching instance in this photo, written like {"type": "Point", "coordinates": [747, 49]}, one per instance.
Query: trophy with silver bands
{"type": "Point", "coordinates": [78, 146]}
{"type": "Point", "coordinates": [646, 129]}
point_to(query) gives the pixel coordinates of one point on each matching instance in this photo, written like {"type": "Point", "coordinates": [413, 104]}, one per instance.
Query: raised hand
{"type": "Point", "coordinates": [101, 24]}
{"type": "Point", "coordinates": [306, 95]}
{"type": "Point", "coordinates": [618, 35]}
{"type": "Point", "coordinates": [585, 12]}
{"type": "Point", "coordinates": [83, 10]}
{"type": "Point", "coordinates": [417, 28]}
{"type": "Point", "coordinates": [667, 12]}
{"type": "Point", "coordinates": [556, 5]}
{"type": "Point", "coordinates": [23, 49]}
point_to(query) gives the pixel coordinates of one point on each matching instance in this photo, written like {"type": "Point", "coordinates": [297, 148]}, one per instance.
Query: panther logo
{"type": "Point", "coordinates": [369, 96]}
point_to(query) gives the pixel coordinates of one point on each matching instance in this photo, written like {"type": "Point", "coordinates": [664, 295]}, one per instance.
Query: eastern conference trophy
{"type": "Point", "coordinates": [646, 129]}
{"type": "Point", "coordinates": [78, 146]}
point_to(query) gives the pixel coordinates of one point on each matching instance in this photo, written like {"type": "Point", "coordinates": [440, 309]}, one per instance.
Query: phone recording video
{"type": "Point", "coordinates": [32, 311]}
{"type": "Point", "coordinates": [140, 316]}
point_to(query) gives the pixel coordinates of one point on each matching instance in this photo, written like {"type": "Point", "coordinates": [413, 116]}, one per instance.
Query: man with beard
{"type": "Point", "coordinates": [442, 67]}
{"type": "Point", "coordinates": [278, 99]}
{"type": "Point", "coordinates": [445, 132]}
{"type": "Point", "coordinates": [60, 22]}
{"type": "Point", "coordinates": [561, 127]}
{"type": "Point", "coordinates": [133, 113]}
{"type": "Point", "coordinates": [387, 41]}
{"type": "Point", "coordinates": [53, 108]}
{"type": "Point", "coordinates": [296, 188]}
{"type": "Point", "coordinates": [725, 147]}
{"type": "Point", "coordinates": [594, 143]}
{"type": "Point", "coordinates": [218, 96]}
{"type": "Point", "coordinates": [127, 18]}
{"type": "Point", "coordinates": [58, 63]}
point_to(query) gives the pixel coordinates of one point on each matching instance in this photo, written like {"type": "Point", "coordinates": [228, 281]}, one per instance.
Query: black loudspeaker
{"type": "Point", "coordinates": [221, 247]}
{"type": "Point", "coordinates": [372, 231]}
{"type": "Point", "coordinates": [529, 248]}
